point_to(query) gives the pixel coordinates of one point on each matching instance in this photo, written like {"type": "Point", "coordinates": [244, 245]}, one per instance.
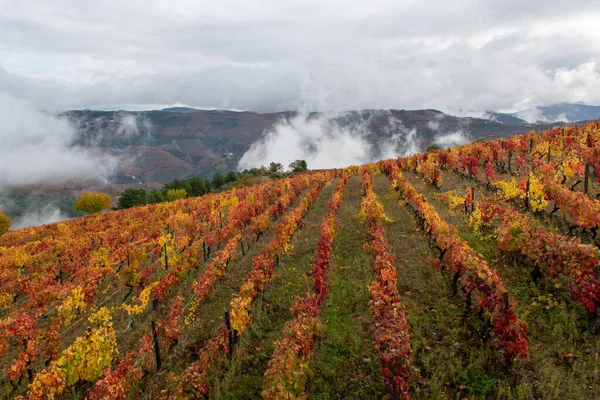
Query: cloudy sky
{"type": "Point", "coordinates": [270, 55]}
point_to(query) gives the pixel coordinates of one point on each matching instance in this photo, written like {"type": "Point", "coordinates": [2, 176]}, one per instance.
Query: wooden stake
{"type": "Point", "coordinates": [166, 257]}
{"type": "Point", "coordinates": [527, 195]}
{"type": "Point", "coordinates": [530, 145]}
{"type": "Point", "coordinates": [231, 335]}
{"type": "Point", "coordinates": [586, 179]}
{"type": "Point", "coordinates": [156, 346]}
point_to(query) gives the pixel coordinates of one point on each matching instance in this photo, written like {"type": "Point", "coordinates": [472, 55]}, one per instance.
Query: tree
{"type": "Point", "coordinates": [433, 147]}
{"type": "Point", "coordinates": [298, 166]}
{"type": "Point", "coordinates": [155, 196]}
{"type": "Point", "coordinates": [176, 194]}
{"type": "Point", "coordinates": [177, 184]}
{"type": "Point", "coordinates": [231, 177]}
{"type": "Point", "coordinates": [132, 198]}
{"type": "Point", "coordinates": [218, 180]}
{"type": "Point", "coordinates": [246, 180]}
{"type": "Point", "coordinates": [92, 202]}
{"type": "Point", "coordinates": [275, 167]}
{"type": "Point", "coordinates": [5, 223]}
{"type": "Point", "coordinates": [198, 186]}
{"type": "Point", "coordinates": [254, 171]}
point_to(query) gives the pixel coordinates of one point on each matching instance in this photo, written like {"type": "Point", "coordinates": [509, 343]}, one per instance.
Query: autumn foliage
{"type": "Point", "coordinates": [5, 223]}
{"type": "Point", "coordinates": [87, 305]}
{"type": "Point", "coordinates": [92, 202]}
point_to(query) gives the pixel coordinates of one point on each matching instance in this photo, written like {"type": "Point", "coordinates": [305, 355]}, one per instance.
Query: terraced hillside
{"type": "Point", "coordinates": [465, 273]}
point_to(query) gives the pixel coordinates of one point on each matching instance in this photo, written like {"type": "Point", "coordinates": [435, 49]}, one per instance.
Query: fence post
{"type": "Point", "coordinates": [166, 256]}
{"type": "Point", "coordinates": [586, 178]}
{"type": "Point", "coordinates": [530, 145]}
{"type": "Point", "coordinates": [527, 195]}
{"type": "Point", "coordinates": [156, 346]}
{"type": "Point", "coordinates": [230, 334]}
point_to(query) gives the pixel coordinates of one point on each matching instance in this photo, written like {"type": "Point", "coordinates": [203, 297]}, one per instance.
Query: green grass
{"type": "Point", "coordinates": [449, 357]}
{"type": "Point", "coordinates": [557, 326]}
{"type": "Point", "coordinates": [345, 365]}
{"type": "Point", "coordinates": [243, 377]}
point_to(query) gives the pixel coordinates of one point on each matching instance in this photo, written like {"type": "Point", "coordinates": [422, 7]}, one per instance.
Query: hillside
{"type": "Point", "coordinates": [566, 112]}
{"type": "Point", "coordinates": [174, 143]}
{"type": "Point", "coordinates": [461, 273]}
{"type": "Point", "coordinates": [155, 147]}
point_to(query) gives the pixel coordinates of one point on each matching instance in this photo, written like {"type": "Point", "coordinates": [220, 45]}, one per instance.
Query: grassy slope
{"type": "Point", "coordinates": [210, 312]}
{"type": "Point", "coordinates": [244, 375]}
{"type": "Point", "coordinates": [449, 358]}
{"type": "Point", "coordinates": [345, 365]}
{"type": "Point", "coordinates": [557, 325]}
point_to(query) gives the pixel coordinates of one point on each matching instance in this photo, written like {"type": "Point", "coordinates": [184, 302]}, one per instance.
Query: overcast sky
{"type": "Point", "coordinates": [272, 55]}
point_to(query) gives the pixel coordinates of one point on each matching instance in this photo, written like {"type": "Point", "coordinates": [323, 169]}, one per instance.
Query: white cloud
{"type": "Point", "coordinates": [268, 55]}
{"type": "Point", "coordinates": [452, 139]}
{"type": "Point", "coordinates": [38, 148]}
{"type": "Point", "coordinates": [132, 125]}
{"type": "Point", "coordinates": [36, 217]}
{"type": "Point", "coordinates": [330, 140]}
{"type": "Point", "coordinates": [532, 115]}
{"type": "Point", "coordinates": [321, 141]}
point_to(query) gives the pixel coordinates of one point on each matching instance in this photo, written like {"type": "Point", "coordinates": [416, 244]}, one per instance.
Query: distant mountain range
{"type": "Point", "coordinates": [562, 112]}
{"type": "Point", "coordinates": [162, 145]}
{"type": "Point", "coordinates": [155, 147]}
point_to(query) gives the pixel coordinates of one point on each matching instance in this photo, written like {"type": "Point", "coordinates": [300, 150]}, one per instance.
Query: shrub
{"type": "Point", "coordinates": [92, 202]}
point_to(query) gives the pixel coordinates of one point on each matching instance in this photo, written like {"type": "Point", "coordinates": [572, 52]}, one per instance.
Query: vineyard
{"type": "Point", "coordinates": [472, 272]}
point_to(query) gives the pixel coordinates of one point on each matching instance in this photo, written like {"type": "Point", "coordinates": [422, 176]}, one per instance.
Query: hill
{"type": "Point", "coordinates": [159, 146]}
{"type": "Point", "coordinates": [460, 273]}
{"type": "Point", "coordinates": [156, 147]}
{"type": "Point", "coordinates": [561, 112]}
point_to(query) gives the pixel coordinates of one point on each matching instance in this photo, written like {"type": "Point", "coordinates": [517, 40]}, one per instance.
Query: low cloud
{"type": "Point", "coordinates": [447, 139]}
{"type": "Point", "coordinates": [330, 140]}
{"type": "Point", "coordinates": [38, 147]}
{"type": "Point", "coordinates": [532, 115]}
{"type": "Point", "coordinates": [452, 139]}
{"type": "Point", "coordinates": [321, 141]}
{"type": "Point", "coordinates": [33, 209]}
{"type": "Point", "coordinates": [36, 217]}
{"type": "Point", "coordinates": [133, 125]}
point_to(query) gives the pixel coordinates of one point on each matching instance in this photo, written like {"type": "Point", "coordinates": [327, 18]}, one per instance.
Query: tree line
{"type": "Point", "coordinates": [197, 186]}
{"type": "Point", "coordinates": [95, 202]}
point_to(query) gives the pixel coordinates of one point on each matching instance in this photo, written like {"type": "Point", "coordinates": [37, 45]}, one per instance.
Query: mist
{"type": "Point", "coordinates": [446, 139]}
{"type": "Point", "coordinates": [452, 139]}
{"type": "Point", "coordinates": [133, 125]}
{"type": "Point", "coordinates": [331, 140]}
{"type": "Point", "coordinates": [38, 147]}
{"type": "Point", "coordinates": [36, 217]}
{"type": "Point", "coordinates": [33, 209]}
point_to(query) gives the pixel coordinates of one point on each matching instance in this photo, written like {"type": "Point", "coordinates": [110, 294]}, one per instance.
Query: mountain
{"type": "Point", "coordinates": [506, 118]}
{"type": "Point", "coordinates": [162, 145]}
{"type": "Point", "coordinates": [570, 112]}
{"type": "Point", "coordinates": [563, 112]}
{"type": "Point", "coordinates": [364, 283]}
